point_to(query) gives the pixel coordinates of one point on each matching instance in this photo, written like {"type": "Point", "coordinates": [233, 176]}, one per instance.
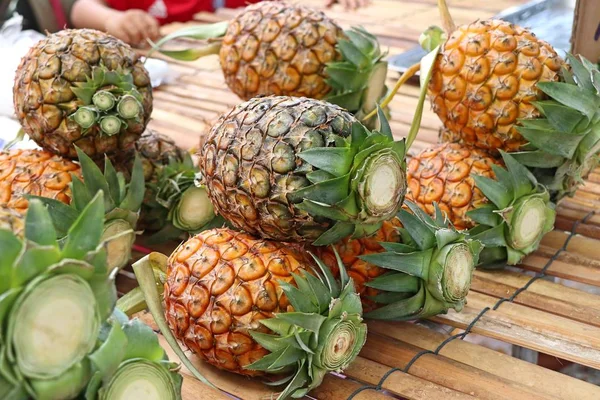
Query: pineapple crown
{"type": "Point", "coordinates": [109, 100]}
{"type": "Point", "coordinates": [430, 268]}
{"type": "Point", "coordinates": [564, 142]}
{"type": "Point", "coordinates": [121, 201]}
{"type": "Point", "coordinates": [43, 354]}
{"type": "Point", "coordinates": [518, 216]}
{"type": "Point", "coordinates": [185, 200]}
{"type": "Point", "coordinates": [347, 183]}
{"type": "Point", "coordinates": [358, 80]}
{"type": "Point", "coordinates": [37, 272]}
{"type": "Point", "coordinates": [324, 333]}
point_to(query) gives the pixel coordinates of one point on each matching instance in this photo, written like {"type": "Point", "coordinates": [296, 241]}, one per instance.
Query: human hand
{"type": "Point", "coordinates": [133, 27]}
{"type": "Point", "coordinates": [348, 4]}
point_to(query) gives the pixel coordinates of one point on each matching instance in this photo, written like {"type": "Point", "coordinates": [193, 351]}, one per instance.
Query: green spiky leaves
{"type": "Point", "coordinates": [564, 143]}
{"type": "Point", "coordinates": [358, 80]}
{"type": "Point", "coordinates": [358, 184]}
{"type": "Point", "coordinates": [324, 333]}
{"type": "Point", "coordinates": [516, 219]}
{"type": "Point", "coordinates": [109, 100]}
{"type": "Point", "coordinates": [430, 269]}
{"type": "Point", "coordinates": [121, 201]}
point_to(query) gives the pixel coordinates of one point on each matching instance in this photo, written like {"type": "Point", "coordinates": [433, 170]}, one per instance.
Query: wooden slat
{"type": "Point", "coordinates": [530, 328]}
{"type": "Point", "coordinates": [549, 382]}
{"type": "Point", "coordinates": [444, 371]}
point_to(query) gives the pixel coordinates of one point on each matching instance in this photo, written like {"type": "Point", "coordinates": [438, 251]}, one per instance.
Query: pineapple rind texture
{"type": "Point", "coordinates": [45, 97]}
{"type": "Point", "coordinates": [278, 49]}
{"type": "Point", "coordinates": [34, 172]}
{"type": "Point", "coordinates": [485, 81]}
{"type": "Point", "coordinates": [220, 284]}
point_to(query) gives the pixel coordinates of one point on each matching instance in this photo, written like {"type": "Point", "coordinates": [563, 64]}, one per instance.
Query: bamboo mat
{"type": "Point", "coordinates": [550, 303]}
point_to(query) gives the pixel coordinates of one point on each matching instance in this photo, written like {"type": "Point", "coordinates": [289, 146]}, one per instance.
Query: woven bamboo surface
{"type": "Point", "coordinates": [520, 306]}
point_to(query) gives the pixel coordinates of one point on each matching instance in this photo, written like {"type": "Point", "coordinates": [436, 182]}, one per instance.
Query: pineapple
{"type": "Point", "coordinates": [252, 306]}
{"type": "Point", "coordinates": [504, 208]}
{"type": "Point", "coordinates": [37, 173]}
{"type": "Point", "coordinates": [298, 169]}
{"type": "Point", "coordinates": [497, 87]}
{"type": "Point", "coordinates": [485, 79]}
{"type": "Point", "coordinates": [276, 48]}
{"type": "Point", "coordinates": [414, 267]}
{"type": "Point", "coordinates": [82, 87]}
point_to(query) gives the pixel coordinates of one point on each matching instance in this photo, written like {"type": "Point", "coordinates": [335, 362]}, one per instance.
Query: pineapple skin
{"type": "Point", "coordinates": [220, 284]}
{"type": "Point", "coordinates": [12, 221]}
{"type": "Point", "coordinates": [43, 98]}
{"type": "Point", "coordinates": [485, 79]}
{"type": "Point", "coordinates": [444, 174]}
{"type": "Point", "coordinates": [250, 163]}
{"type": "Point", "coordinates": [34, 172]}
{"type": "Point", "coordinates": [359, 270]}
{"type": "Point", "coordinates": [280, 49]}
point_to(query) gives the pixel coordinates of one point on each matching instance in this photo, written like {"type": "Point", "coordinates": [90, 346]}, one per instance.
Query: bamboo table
{"type": "Point", "coordinates": [514, 306]}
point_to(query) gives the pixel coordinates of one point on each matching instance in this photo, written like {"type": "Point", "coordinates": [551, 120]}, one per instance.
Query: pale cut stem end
{"type": "Point", "coordinates": [447, 20]}
{"type": "Point", "coordinates": [383, 187]}
{"type": "Point", "coordinates": [339, 347]}
{"type": "Point", "coordinates": [85, 117]}
{"type": "Point", "coordinates": [528, 223]}
{"type": "Point", "coordinates": [104, 100]}
{"type": "Point", "coordinates": [458, 272]}
{"type": "Point", "coordinates": [409, 73]}
{"type": "Point", "coordinates": [119, 237]}
{"type": "Point", "coordinates": [129, 107]}
{"type": "Point", "coordinates": [110, 125]}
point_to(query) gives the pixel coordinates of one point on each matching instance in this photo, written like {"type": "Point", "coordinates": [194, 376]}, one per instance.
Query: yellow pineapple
{"type": "Point", "coordinates": [252, 306]}
{"type": "Point", "coordinates": [276, 48]}
{"type": "Point", "coordinates": [497, 87]}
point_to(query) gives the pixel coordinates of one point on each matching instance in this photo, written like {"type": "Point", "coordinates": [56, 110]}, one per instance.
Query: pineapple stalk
{"type": "Point", "coordinates": [86, 117]}
{"type": "Point", "coordinates": [104, 100]}
{"type": "Point", "coordinates": [110, 125]}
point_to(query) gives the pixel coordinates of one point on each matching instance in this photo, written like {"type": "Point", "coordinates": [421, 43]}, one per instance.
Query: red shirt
{"type": "Point", "coordinates": [166, 11]}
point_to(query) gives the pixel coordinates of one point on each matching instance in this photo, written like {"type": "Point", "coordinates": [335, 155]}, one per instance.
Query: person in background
{"type": "Point", "coordinates": [133, 21]}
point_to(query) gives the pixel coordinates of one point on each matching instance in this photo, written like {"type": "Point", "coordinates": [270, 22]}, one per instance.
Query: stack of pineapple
{"type": "Point", "coordinates": [297, 204]}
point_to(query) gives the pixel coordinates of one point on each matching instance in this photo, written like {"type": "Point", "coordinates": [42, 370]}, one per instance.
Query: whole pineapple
{"type": "Point", "coordinates": [299, 169]}
{"type": "Point", "coordinates": [37, 173]}
{"type": "Point", "coordinates": [277, 48]}
{"type": "Point", "coordinates": [504, 208]}
{"type": "Point", "coordinates": [485, 79]}
{"type": "Point", "coordinates": [252, 306]}
{"type": "Point", "coordinates": [82, 87]}
{"type": "Point", "coordinates": [498, 87]}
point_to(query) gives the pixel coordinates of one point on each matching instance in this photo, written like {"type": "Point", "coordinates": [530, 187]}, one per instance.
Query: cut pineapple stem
{"type": "Point", "coordinates": [383, 188]}
{"type": "Point", "coordinates": [119, 238]}
{"type": "Point", "coordinates": [86, 117]}
{"type": "Point", "coordinates": [409, 73]}
{"type": "Point", "coordinates": [194, 209]}
{"type": "Point", "coordinates": [143, 270]}
{"type": "Point", "coordinates": [129, 107]}
{"type": "Point", "coordinates": [55, 326]}
{"type": "Point", "coordinates": [447, 20]}
{"type": "Point", "coordinates": [104, 100]}
{"type": "Point", "coordinates": [339, 348]}
{"type": "Point", "coordinates": [527, 223]}
{"type": "Point", "coordinates": [458, 271]}
{"type": "Point", "coordinates": [141, 379]}
{"type": "Point", "coordinates": [110, 124]}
